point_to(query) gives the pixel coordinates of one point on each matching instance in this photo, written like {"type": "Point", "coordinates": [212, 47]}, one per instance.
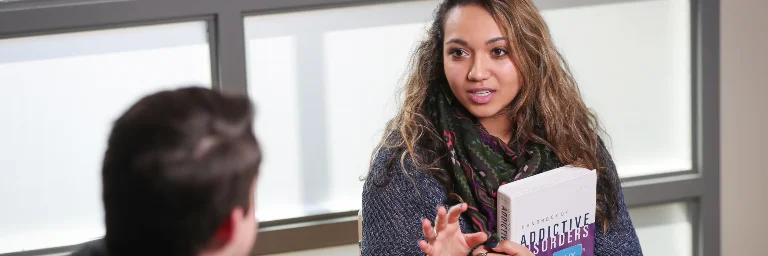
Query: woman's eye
{"type": "Point", "coordinates": [498, 52]}
{"type": "Point", "coordinates": [457, 53]}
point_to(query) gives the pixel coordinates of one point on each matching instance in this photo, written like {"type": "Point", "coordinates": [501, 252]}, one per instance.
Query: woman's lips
{"type": "Point", "coordinates": [481, 95]}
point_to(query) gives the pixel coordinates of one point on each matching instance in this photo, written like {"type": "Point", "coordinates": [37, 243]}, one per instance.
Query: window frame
{"type": "Point", "coordinates": [700, 185]}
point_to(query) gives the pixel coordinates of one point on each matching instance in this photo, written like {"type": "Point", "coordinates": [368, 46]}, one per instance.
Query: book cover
{"type": "Point", "coordinates": [551, 213]}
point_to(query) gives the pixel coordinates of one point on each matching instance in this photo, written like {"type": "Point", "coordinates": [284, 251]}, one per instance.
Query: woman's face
{"type": "Point", "coordinates": [477, 64]}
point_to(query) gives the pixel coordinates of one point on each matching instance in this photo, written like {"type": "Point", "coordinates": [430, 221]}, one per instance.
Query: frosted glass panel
{"type": "Point", "coordinates": [632, 62]}
{"type": "Point", "coordinates": [360, 100]}
{"type": "Point", "coordinates": [272, 76]}
{"type": "Point", "coordinates": [61, 94]}
{"type": "Point", "coordinates": [355, 57]}
{"type": "Point", "coordinates": [664, 229]}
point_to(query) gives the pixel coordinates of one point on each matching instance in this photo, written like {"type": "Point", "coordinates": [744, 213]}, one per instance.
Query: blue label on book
{"type": "Point", "coordinates": [570, 251]}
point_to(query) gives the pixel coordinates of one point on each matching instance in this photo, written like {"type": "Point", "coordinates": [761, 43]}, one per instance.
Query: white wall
{"type": "Point", "coordinates": [744, 61]}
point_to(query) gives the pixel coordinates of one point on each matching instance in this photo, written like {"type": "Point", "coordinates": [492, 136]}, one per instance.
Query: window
{"type": "Point", "coordinates": [62, 92]}
{"type": "Point", "coordinates": [633, 64]}
{"type": "Point", "coordinates": [325, 92]}
{"type": "Point", "coordinates": [665, 229]}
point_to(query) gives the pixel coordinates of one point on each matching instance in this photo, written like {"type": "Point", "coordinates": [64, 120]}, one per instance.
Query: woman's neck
{"type": "Point", "coordinates": [499, 126]}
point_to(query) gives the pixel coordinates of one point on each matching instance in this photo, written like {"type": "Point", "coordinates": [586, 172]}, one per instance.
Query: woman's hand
{"type": "Point", "coordinates": [446, 239]}
{"type": "Point", "coordinates": [506, 247]}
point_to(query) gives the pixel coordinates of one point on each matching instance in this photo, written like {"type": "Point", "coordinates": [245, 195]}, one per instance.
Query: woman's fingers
{"type": "Point", "coordinates": [455, 212]}
{"type": "Point", "coordinates": [440, 221]}
{"type": "Point", "coordinates": [426, 247]}
{"type": "Point", "coordinates": [475, 239]}
{"type": "Point", "coordinates": [451, 217]}
{"type": "Point", "coordinates": [429, 232]}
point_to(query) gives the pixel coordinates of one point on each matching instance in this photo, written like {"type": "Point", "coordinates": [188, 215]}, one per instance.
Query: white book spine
{"type": "Point", "coordinates": [503, 213]}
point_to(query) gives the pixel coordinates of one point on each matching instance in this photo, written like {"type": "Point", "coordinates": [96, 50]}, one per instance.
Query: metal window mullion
{"type": "Point", "coordinates": [268, 6]}
{"type": "Point", "coordinates": [271, 6]}
{"type": "Point", "coordinates": [709, 75]}
{"type": "Point", "coordinates": [229, 64]}
{"type": "Point", "coordinates": [100, 15]}
{"type": "Point", "coordinates": [663, 190]}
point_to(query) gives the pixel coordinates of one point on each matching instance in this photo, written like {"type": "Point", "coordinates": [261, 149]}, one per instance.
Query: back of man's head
{"type": "Point", "coordinates": [179, 176]}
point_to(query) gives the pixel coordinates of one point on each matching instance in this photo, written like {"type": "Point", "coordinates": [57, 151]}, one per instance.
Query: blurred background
{"type": "Point", "coordinates": [678, 85]}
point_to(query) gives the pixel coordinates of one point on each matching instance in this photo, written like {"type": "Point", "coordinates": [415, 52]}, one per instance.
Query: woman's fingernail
{"type": "Point", "coordinates": [493, 244]}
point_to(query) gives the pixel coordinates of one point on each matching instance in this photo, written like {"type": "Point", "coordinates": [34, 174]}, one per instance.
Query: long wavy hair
{"type": "Point", "coordinates": [549, 98]}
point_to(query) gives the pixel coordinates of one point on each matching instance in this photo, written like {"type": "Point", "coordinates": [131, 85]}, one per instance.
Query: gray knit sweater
{"type": "Point", "coordinates": [392, 212]}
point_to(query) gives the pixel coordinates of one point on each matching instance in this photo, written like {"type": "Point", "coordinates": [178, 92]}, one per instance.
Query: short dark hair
{"type": "Point", "coordinates": [177, 163]}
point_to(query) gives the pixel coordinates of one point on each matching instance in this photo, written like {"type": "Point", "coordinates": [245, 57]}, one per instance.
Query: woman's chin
{"type": "Point", "coordinates": [483, 112]}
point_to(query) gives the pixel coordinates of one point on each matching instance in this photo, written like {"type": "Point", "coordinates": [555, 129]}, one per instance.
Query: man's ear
{"type": "Point", "coordinates": [226, 231]}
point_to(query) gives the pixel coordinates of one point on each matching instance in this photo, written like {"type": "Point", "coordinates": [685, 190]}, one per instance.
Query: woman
{"type": "Point", "coordinates": [487, 83]}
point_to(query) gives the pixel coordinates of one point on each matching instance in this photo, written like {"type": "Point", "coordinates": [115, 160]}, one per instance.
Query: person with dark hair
{"type": "Point", "coordinates": [179, 177]}
{"type": "Point", "coordinates": [488, 100]}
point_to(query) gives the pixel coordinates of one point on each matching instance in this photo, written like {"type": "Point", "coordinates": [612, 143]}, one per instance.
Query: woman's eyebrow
{"type": "Point", "coordinates": [464, 43]}
{"type": "Point", "coordinates": [497, 39]}
{"type": "Point", "coordinates": [457, 41]}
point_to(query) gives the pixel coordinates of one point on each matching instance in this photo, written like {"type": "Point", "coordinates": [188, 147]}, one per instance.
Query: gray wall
{"type": "Point", "coordinates": [744, 63]}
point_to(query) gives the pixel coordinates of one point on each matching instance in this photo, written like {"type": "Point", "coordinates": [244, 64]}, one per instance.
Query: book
{"type": "Point", "coordinates": [551, 213]}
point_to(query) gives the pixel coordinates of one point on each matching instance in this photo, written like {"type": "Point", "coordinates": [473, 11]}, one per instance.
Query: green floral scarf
{"type": "Point", "coordinates": [479, 163]}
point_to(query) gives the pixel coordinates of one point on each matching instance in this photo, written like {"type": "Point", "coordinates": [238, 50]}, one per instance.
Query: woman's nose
{"type": "Point", "coordinates": [478, 72]}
